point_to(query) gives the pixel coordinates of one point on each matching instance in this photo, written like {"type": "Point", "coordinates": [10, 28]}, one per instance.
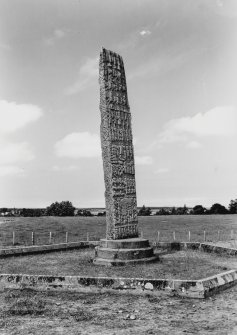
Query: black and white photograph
{"type": "Point", "coordinates": [118, 167]}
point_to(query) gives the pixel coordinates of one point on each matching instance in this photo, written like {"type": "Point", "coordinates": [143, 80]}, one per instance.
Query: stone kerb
{"type": "Point", "coordinates": [26, 250]}
{"type": "Point", "coordinates": [175, 246]}
{"type": "Point", "coordinates": [115, 244]}
{"type": "Point", "coordinates": [185, 288]}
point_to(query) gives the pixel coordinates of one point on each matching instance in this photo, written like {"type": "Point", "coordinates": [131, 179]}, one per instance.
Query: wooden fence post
{"type": "Point", "coordinates": [66, 237]}
{"type": "Point", "coordinates": [50, 237]}
{"type": "Point", "coordinates": [204, 236]}
{"type": "Point", "coordinates": [174, 235]}
{"type": "Point", "coordinates": [158, 236]}
{"type": "Point", "coordinates": [87, 237]}
{"type": "Point", "coordinates": [32, 238]}
{"type": "Point", "coordinates": [189, 236]}
{"type": "Point", "coordinates": [13, 238]}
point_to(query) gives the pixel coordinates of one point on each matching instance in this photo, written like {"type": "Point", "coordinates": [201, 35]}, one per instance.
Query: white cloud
{"type": "Point", "coordinates": [14, 116]}
{"type": "Point", "coordinates": [15, 152]}
{"type": "Point", "coordinates": [161, 170]}
{"type": "Point", "coordinates": [143, 160]}
{"type": "Point", "coordinates": [194, 145]}
{"type": "Point", "coordinates": [57, 34]}
{"type": "Point", "coordinates": [78, 145]}
{"type": "Point", "coordinates": [86, 76]}
{"type": "Point", "coordinates": [219, 121]}
{"type": "Point", "coordinates": [7, 170]}
{"type": "Point", "coordinates": [145, 32]}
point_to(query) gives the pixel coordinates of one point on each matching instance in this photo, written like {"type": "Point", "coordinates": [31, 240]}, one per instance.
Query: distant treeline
{"type": "Point", "coordinates": [196, 210]}
{"type": "Point", "coordinates": [65, 208]}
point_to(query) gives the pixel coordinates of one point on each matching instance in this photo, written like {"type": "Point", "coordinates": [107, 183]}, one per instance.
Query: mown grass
{"type": "Point", "coordinates": [78, 227]}
{"type": "Point", "coordinates": [180, 265]}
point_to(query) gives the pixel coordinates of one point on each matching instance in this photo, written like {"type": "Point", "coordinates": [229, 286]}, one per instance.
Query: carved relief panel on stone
{"type": "Point", "coordinates": [117, 149]}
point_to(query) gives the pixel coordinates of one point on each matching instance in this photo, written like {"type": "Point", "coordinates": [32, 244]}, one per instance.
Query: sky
{"type": "Point", "coordinates": [180, 61]}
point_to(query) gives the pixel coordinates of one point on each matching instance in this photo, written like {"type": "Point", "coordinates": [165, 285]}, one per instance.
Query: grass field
{"type": "Point", "coordinates": [78, 227]}
{"type": "Point", "coordinates": [179, 265]}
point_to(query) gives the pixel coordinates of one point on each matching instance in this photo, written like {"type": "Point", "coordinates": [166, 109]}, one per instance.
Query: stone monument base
{"type": "Point", "coordinates": [125, 251]}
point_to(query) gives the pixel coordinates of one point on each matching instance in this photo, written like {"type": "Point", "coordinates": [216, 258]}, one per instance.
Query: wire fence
{"type": "Point", "coordinates": [27, 238]}
{"type": "Point", "coordinates": [190, 236]}
{"type": "Point", "coordinates": [17, 238]}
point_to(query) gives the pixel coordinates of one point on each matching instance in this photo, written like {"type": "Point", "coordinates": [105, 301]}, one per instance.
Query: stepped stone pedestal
{"type": "Point", "coordinates": [122, 244]}
{"type": "Point", "coordinates": [124, 251]}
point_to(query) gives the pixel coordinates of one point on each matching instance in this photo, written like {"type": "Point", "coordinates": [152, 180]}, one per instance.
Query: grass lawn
{"type": "Point", "coordinates": [78, 227]}
{"type": "Point", "coordinates": [179, 265]}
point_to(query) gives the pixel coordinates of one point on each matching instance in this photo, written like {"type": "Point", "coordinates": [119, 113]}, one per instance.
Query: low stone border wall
{"type": "Point", "coordinates": [175, 246]}
{"type": "Point", "coordinates": [26, 250]}
{"type": "Point", "coordinates": [170, 246]}
{"type": "Point", "coordinates": [185, 288]}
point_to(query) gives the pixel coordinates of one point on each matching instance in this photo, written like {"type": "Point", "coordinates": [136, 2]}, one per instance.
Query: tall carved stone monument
{"type": "Point", "coordinates": [117, 149]}
{"type": "Point", "coordinates": [122, 243]}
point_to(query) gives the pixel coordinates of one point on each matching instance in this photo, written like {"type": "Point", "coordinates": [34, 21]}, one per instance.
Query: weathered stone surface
{"type": "Point", "coordinates": [125, 251]}
{"type": "Point", "coordinates": [186, 288]}
{"type": "Point", "coordinates": [211, 248]}
{"type": "Point", "coordinates": [119, 171]}
{"type": "Point", "coordinates": [33, 249]}
{"type": "Point", "coordinates": [149, 286]}
{"type": "Point", "coordinates": [117, 149]}
{"type": "Point", "coordinates": [129, 243]}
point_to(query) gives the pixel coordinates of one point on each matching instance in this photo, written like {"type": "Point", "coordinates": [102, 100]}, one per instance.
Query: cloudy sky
{"type": "Point", "coordinates": [180, 60]}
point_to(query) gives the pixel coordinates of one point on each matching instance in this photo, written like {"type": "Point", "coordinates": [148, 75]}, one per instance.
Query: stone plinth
{"type": "Point", "coordinates": [125, 251]}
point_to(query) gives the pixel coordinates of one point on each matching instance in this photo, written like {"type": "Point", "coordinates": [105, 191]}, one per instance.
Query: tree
{"type": "Point", "coordinates": [84, 212]}
{"type": "Point", "coordinates": [102, 213]}
{"type": "Point", "coordinates": [38, 212]}
{"type": "Point", "coordinates": [198, 210]}
{"type": "Point", "coordinates": [144, 211]}
{"type": "Point", "coordinates": [173, 211]}
{"type": "Point", "coordinates": [163, 211]}
{"type": "Point", "coordinates": [182, 210]}
{"type": "Point", "coordinates": [63, 208]}
{"type": "Point", "coordinates": [233, 207]}
{"type": "Point", "coordinates": [218, 209]}
{"type": "Point", "coordinates": [31, 212]}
